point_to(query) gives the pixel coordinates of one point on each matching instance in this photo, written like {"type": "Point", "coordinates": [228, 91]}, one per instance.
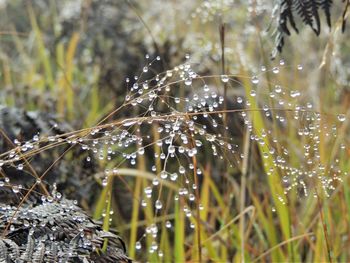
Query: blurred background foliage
{"type": "Point", "coordinates": [72, 57]}
{"type": "Point", "coordinates": [65, 54]}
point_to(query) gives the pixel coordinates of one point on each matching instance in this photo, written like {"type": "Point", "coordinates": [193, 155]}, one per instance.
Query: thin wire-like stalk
{"type": "Point", "coordinates": [324, 226]}
{"type": "Point", "coordinates": [34, 173]}
{"type": "Point", "coordinates": [117, 124]}
{"type": "Point", "coordinates": [243, 189]}
{"type": "Point", "coordinates": [198, 225]}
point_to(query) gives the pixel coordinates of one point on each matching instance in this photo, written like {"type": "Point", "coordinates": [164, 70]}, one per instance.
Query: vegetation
{"type": "Point", "coordinates": [191, 141]}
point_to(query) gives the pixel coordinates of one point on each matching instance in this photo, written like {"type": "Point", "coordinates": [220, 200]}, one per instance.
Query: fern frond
{"type": "Point", "coordinates": [286, 14]}
{"type": "Point", "coordinates": [56, 232]}
{"type": "Point", "coordinates": [314, 6]}
{"type": "Point", "coordinates": [3, 252]}
{"type": "Point", "coordinates": [13, 250]}
{"type": "Point", "coordinates": [326, 6]}
{"type": "Point", "coordinates": [39, 254]}
{"type": "Point", "coordinates": [29, 249]}
{"type": "Point", "coordinates": [344, 16]}
{"type": "Point", "coordinates": [307, 11]}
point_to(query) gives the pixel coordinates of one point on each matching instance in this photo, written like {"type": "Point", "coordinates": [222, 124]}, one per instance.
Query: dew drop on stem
{"type": "Point", "coordinates": [255, 80]}
{"type": "Point", "coordinates": [224, 78]}
{"type": "Point", "coordinates": [158, 205]}
{"type": "Point", "coordinates": [341, 117]}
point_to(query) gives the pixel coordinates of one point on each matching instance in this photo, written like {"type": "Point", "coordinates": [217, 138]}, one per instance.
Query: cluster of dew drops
{"type": "Point", "coordinates": [295, 114]}
{"type": "Point", "coordinates": [204, 101]}
{"type": "Point", "coordinates": [180, 136]}
{"type": "Point", "coordinates": [14, 158]}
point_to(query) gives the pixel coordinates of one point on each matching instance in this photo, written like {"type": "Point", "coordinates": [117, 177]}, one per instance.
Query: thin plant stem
{"type": "Point", "coordinates": [324, 226]}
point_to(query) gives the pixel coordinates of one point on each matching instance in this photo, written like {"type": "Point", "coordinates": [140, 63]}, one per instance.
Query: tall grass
{"type": "Point", "coordinates": [285, 165]}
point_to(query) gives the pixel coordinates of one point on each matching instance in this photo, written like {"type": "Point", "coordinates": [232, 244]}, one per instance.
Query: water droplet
{"type": "Point", "coordinates": [182, 170]}
{"type": "Point", "coordinates": [341, 117]}
{"type": "Point", "coordinates": [148, 190]}
{"type": "Point", "coordinates": [171, 149]}
{"type": "Point", "coordinates": [173, 176]}
{"type": "Point", "coordinates": [275, 70]}
{"type": "Point", "coordinates": [294, 93]}
{"type": "Point", "coordinates": [278, 89]}
{"type": "Point", "coordinates": [163, 174]}
{"type": "Point", "coordinates": [138, 245]}
{"type": "Point", "coordinates": [128, 123]}
{"type": "Point", "coordinates": [224, 78]}
{"type": "Point", "coordinates": [155, 181]}
{"type": "Point", "coordinates": [198, 143]}
{"type": "Point", "coordinates": [188, 82]}
{"type": "Point", "coordinates": [255, 80]}
{"type": "Point", "coordinates": [158, 205]}
{"type": "Point", "coordinates": [104, 181]}
{"type": "Point", "coordinates": [15, 189]}
{"type": "Point", "coordinates": [58, 195]}
{"type": "Point", "coordinates": [141, 151]}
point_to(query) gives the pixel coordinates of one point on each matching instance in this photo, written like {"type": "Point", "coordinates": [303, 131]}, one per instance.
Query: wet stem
{"type": "Point", "coordinates": [107, 211]}
{"type": "Point", "coordinates": [243, 189]}
{"type": "Point", "coordinates": [325, 230]}
{"type": "Point", "coordinates": [198, 226]}
{"type": "Point", "coordinates": [136, 202]}
{"type": "Point", "coordinates": [222, 29]}
{"type": "Point", "coordinates": [223, 71]}
{"type": "Point", "coordinates": [195, 177]}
